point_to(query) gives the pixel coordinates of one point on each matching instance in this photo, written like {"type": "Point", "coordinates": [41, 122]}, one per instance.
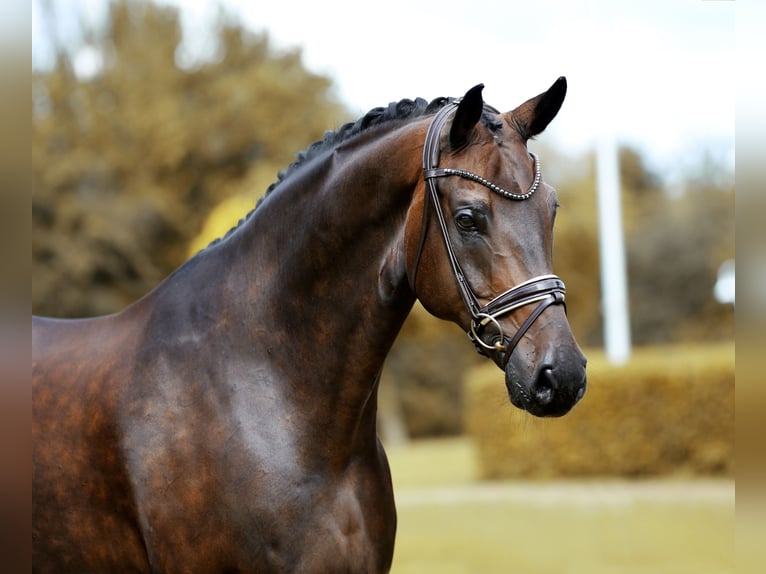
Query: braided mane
{"type": "Point", "coordinates": [405, 109]}
{"type": "Point", "coordinates": [395, 111]}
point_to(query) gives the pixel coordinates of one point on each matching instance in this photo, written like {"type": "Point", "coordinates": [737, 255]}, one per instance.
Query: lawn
{"type": "Point", "coordinates": [451, 523]}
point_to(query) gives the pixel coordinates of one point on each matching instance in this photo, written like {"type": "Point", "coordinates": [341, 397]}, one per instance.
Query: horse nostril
{"type": "Point", "coordinates": [545, 387]}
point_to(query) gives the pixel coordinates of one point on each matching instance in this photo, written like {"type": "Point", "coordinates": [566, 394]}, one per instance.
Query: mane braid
{"type": "Point", "coordinates": [395, 111]}
{"type": "Point", "coordinates": [405, 109]}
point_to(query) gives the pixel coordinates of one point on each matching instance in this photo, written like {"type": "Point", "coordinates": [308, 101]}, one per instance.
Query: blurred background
{"type": "Point", "coordinates": [157, 125]}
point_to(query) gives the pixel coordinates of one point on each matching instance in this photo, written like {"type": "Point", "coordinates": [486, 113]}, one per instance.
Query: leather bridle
{"type": "Point", "coordinates": [545, 290]}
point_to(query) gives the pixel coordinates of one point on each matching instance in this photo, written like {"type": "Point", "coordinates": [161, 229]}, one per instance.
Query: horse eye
{"type": "Point", "coordinates": [465, 221]}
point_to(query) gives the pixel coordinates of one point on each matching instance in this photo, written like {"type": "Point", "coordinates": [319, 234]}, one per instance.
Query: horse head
{"type": "Point", "coordinates": [479, 246]}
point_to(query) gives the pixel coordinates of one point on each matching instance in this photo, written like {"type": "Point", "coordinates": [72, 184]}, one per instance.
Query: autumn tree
{"type": "Point", "coordinates": [127, 163]}
{"type": "Point", "coordinates": [674, 246]}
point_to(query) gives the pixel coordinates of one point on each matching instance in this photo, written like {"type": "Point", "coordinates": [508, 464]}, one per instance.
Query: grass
{"type": "Point", "coordinates": [451, 524]}
{"type": "Point", "coordinates": [432, 463]}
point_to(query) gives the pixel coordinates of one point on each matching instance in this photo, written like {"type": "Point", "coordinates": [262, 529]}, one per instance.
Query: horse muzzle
{"type": "Point", "coordinates": [551, 387]}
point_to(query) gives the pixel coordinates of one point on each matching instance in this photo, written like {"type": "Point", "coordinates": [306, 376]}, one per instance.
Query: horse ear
{"type": "Point", "coordinates": [467, 116]}
{"type": "Point", "coordinates": [534, 115]}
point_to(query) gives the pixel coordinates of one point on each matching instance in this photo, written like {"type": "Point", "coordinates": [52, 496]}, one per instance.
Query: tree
{"type": "Point", "coordinates": [673, 260]}
{"type": "Point", "coordinates": [127, 163]}
{"type": "Point", "coordinates": [674, 248]}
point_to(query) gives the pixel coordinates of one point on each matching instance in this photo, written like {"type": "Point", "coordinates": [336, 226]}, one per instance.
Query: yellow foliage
{"type": "Point", "coordinates": [127, 163]}
{"type": "Point", "coordinates": [223, 217]}
{"type": "Point", "coordinates": [227, 214]}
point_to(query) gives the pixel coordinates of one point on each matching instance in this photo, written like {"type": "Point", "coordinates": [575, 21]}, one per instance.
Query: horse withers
{"type": "Point", "coordinates": [226, 422]}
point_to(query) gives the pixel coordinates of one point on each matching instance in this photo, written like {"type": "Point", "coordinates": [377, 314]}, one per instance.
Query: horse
{"type": "Point", "coordinates": [226, 421]}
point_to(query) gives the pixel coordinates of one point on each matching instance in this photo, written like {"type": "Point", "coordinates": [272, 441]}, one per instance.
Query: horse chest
{"type": "Point", "coordinates": [279, 524]}
{"type": "Point", "coordinates": [244, 498]}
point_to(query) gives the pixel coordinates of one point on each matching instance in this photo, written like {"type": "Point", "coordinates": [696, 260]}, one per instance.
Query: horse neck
{"type": "Point", "coordinates": [327, 236]}
{"type": "Point", "coordinates": [317, 272]}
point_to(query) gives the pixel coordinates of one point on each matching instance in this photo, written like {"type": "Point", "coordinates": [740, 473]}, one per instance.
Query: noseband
{"type": "Point", "coordinates": [545, 290]}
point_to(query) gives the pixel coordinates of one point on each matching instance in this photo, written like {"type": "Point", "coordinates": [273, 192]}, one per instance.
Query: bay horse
{"type": "Point", "coordinates": [226, 422]}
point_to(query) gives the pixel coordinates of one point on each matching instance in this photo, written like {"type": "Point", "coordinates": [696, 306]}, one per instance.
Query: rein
{"type": "Point", "coordinates": [546, 290]}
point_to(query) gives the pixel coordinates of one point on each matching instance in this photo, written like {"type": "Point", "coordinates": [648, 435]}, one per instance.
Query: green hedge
{"type": "Point", "coordinates": [668, 410]}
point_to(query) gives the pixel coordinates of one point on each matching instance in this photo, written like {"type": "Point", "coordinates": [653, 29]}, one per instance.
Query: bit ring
{"type": "Point", "coordinates": [482, 320]}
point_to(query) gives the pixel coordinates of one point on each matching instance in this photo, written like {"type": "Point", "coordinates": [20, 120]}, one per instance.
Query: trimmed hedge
{"type": "Point", "coordinates": [668, 410]}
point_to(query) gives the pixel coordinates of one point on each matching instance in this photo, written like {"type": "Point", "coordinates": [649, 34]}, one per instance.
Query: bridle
{"type": "Point", "coordinates": [545, 290]}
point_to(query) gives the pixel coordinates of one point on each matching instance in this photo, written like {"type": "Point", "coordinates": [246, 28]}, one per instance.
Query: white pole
{"type": "Point", "coordinates": [614, 290]}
